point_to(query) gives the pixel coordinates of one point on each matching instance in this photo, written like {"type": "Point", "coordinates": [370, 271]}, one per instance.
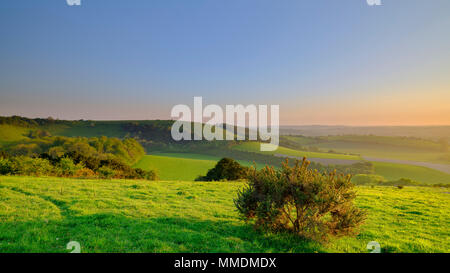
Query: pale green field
{"type": "Point", "coordinates": [44, 214]}
{"type": "Point", "coordinates": [392, 171]}
{"type": "Point", "coordinates": [378, 146]}
{"type": "Point", "coordinates": [255, 148]}
{"type": "Point", "coordinates": [10, 134]}
{"type": "Point", "coordinates": [208, 157]}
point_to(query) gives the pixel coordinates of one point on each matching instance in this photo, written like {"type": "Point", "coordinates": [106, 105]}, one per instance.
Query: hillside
{"type": "Point", "coordinates": [335, 151]}
{"type": "Point", "coordinates": [44, 214]}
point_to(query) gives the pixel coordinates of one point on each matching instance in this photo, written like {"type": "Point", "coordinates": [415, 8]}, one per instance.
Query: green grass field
{"type": "Point", "coordinates": [176, 168]}
{"type": "Point", "coordinates": [255, 148]}
{"type": "Point", "coordinates": [187, 166]}
{"type": "Point", "coordinates": [44, 214]}
{"type": "Point", "coordinates": [182, 166]}
{"type": "Point", "coordinates": [10, 134]}
{"type": "Point", "coordinates": [392, 171]}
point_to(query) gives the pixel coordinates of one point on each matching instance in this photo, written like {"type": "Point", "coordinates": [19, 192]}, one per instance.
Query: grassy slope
{"type": "Point", "coordinates": [182, 166]}
{"type": "Point", "coordinates": [392, 171]}
{"type": "Point", "coordinates": [44, 214]}
{"type": "Point", "coordinates": [255, 147]}
{"type": "Point", "coordinates": [10, 134]}
{"type": "Point", "coordinates": [207, 157]}
{"type": "Point", "coordinates": [186, 166]}
{"type": "Point", "coordinates": [175, 168]}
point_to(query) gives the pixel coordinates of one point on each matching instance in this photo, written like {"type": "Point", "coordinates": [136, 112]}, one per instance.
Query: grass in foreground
{"type": "Point", "coordinates": [44, 214]}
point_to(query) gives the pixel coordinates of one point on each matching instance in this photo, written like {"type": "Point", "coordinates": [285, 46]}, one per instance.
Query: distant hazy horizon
{"type": "Point", "coordinates": [324, 62]}
{"type": "Point", "coordinates": [283, 126]}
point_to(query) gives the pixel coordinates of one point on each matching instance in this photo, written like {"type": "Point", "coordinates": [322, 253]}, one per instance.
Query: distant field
{"type": "Point", "coordinates": [378, 146]}
{"type": "Point", "coordinates": [392, 171]}
{"type": "Point", "coordinates": [9, 134]}
{"type": "Point", "coordinates": [208, 157]}
{"type": "Point", "coordinates": [44, 214]}
{"type": "Point", "coordinates": [185, 166]}
{"type": "Point", "coordinates": [182, 166]}
{"type": "Point", "coordinates": [255, 147]}
{"type": "Point", "coordinates": [176, 168]}
{"type": "Point", "coordinates": [96, 129]}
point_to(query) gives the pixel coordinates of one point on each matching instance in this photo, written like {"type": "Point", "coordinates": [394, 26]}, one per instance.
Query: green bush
{"type": "Point", "coordinates": [32, 166]}
{"type": "Point", "coordinates": [5, 166]}
{"type": "Point", "coordinates": [148, 175]}
{"type": "Point", "coordinates": [66, 167]}
{"type": "Point", "coordinates": [106, 172]}
{"type": "Point", "coordinates": [403, 182]}
{"type": "Point", "coordinates": [368, 179]}
{"type": "Point", "coordinates": [226, 169]}
{"type": "Point", "coordinates": [300, 200]}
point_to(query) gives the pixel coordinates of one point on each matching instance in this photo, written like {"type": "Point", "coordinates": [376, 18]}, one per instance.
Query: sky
{"type": "Point", "coordinates": [328, 62]}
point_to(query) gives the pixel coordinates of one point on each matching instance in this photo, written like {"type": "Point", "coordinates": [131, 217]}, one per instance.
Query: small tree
{"type": "Point", "coordinates": [302, 201]}
{"type": "Point", "coordinates": [225, 169]}
{"type": "Point", "coordinates": [66, 167]}
{"type": "Point", "coordinates": [6, 166]}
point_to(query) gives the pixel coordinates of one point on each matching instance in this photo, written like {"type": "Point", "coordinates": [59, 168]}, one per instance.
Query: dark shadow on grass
{"type": "Point", "coordinates": [117, 233]}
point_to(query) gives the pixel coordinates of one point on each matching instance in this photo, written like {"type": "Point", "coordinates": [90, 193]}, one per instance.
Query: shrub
{"type": "Point", "coordinates": [403, 182]}
{"type": "Point", "coordinates": [92, 163]}
{"type": "Point", "coordinates": [4, 154]}
{"type": "Point", "coordinates": [66, 167]}
{"type": "Point", "coordinates": [106, 172]}
{"type": "Point", "coordinates": [368, 179]}
{"type": "Point", "coordinates": [32, 166]}
{"type": "Point", "coordinates": [5, 166]}
{"type": "Point", "coordinates": [148, 175]}
{"type": "Point", "coordinates": [84, 173]}
{"type": "Point", "coordinates": [300, 200]}
{"type": "Point", "coordinates": [226, 169]}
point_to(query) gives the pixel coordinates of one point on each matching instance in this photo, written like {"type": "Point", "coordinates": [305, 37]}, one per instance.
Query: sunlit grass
{"type": "Point", "coordinates": [392, 171]}
{"type": "Point", "coordinates": [44, 214]}
{"type": "Point", "coordinates": [255, 147]}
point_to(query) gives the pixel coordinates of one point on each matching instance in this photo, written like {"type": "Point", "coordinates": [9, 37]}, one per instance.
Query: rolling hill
{"type": "Point", "coordinates": [198, 157]}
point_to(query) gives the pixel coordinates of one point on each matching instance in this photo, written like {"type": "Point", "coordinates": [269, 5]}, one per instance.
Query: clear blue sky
{"type": "Point", "coordinates": [322, 61]}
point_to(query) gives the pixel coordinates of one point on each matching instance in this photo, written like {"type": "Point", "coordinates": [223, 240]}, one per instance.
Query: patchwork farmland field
{"type": "Point", "coordinates": [402, 148]}
{"type": "Point", "coordinates": [44, 214]}
{"type": "Point", "coordinates": [255, 147]}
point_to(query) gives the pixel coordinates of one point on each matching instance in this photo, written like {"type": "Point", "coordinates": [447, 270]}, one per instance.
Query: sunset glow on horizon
{"type": "Point", "coordinates": [323, 62]}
